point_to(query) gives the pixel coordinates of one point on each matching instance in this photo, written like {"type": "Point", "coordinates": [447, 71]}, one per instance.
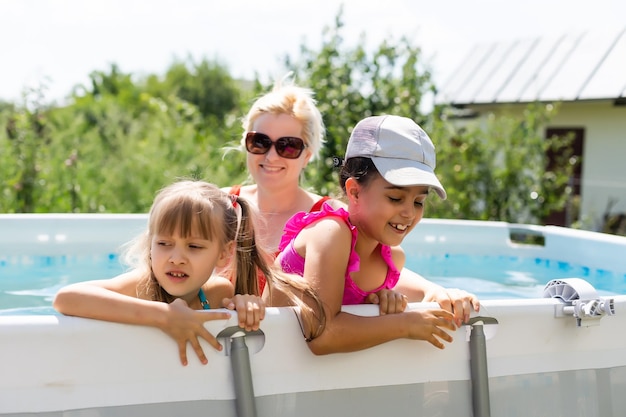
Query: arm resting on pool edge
{"type": "Point", "coordinates": [419, 289]}
{"type": "Point", "coordinates": [114, 300]}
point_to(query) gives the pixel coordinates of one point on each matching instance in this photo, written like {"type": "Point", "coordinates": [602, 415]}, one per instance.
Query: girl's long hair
{"type": "Point", "coordinates": [199, 207]}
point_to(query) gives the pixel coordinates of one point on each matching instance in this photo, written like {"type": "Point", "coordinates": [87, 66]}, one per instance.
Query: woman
{"type": "Point", "coordinates": [283, 132]}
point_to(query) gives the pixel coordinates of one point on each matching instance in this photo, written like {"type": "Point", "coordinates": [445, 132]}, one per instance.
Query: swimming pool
{"type": "Point", "coordinates": [29, 281]}
{"type": "Point", "coordinates": [543, 356]}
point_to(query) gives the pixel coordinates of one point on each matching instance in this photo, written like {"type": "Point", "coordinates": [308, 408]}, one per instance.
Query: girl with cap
{"type": "Point", "coordinates": [354, 257]}
{"type": "Point", "coordinates": [193, 228]}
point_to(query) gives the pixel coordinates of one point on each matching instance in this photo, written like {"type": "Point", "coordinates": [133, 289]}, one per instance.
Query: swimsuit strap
{"type": "Point", "coordinates": [318, 204]}
{"type": "Point", "coordinates": [235, 189]}
{"type": "Point", "coordinates": [203, 300]}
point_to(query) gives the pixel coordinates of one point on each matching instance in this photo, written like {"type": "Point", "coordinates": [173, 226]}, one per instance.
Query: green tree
{"type": "Point", "coordinates": [109, 150]}
{"type": "Point", "coordinates": [120, 139]}
{"type": "Point", "coordinates": [351, 83]}
{"type": "Point", "coordinates": [493, 171]}
{"type": "Point", "coordinates": [206, 84]}
{"type": "Point", "coordinates": [498, 168]}
{"type": "Point", "coordinates": [24, 142]}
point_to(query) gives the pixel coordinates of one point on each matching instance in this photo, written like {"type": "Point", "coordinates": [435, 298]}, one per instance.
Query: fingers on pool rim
{"type": "Point", "coordinates": [195, 344]}
{"type": "Point", "coordinates": [438, 337]}
{"type": "Point", "coordinates": [182, 353]}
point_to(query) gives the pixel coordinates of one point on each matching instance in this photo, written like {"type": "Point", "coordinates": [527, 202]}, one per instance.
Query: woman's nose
{"type": "Point", "coordinates": [272, 154]}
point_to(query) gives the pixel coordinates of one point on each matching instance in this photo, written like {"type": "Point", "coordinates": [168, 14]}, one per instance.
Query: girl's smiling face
{"type": "Point", "coordinates": [383, 211]}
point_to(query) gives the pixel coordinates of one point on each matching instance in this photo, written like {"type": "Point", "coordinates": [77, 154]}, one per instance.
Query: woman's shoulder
{"type": "Point", "coordinates": [239, 189]}
{"type": "Point", "coordinates": [318, 201]}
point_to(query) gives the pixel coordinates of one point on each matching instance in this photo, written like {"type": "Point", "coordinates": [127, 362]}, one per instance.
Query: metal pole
{"type": "Point", "coordinates": [242, 374]}
{"type": "Point", "coordinates": [478, 371]}
{"type": "Point", "coordinates": [478, 366]}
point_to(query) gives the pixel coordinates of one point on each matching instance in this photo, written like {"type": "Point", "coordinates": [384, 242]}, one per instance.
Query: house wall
{"type": "Point", "coordinates": [604, 168]}
{"type": "Point", "coordinates": [604, 154]}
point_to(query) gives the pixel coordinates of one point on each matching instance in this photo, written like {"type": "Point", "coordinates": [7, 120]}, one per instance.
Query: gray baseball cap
{"type": "Point", "coordinates": [400, 149]}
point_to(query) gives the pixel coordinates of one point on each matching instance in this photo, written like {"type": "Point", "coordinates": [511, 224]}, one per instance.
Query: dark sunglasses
{"type": "Point", "coordinates": [287, 147]}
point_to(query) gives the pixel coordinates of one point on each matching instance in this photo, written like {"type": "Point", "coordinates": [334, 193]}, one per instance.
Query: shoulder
{"type": "Point", "coordinates": [218, 281]}
{"type": "Point", "coordinates": [398, 256]}
{"type": "Point", "coordinates": [239, 189]}
{"type": "Point", "coordinates": [336, 204]}
{"type": "Point", "coordinates": [327, 218]}
{"type": "Point", "coordinates": [231, 189]}
{"type": "Point", "coordinates": [330, 231]}
{"type": "Point", "coordinates": [320, 201]}
{"type": "Point", "coordinates": [314, 223]}
{"type": "Point", "coordinates": [217, 288]}
{"type": "Point", "coordinates": [327, 244]}
{"type": "Point", "coordinates": [248, 191]}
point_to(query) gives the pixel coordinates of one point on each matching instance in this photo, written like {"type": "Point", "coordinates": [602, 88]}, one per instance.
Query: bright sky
{"type": "Point", "coordinates": [64, 40]}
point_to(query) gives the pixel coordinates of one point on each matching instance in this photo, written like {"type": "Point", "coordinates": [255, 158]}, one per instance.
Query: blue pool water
{"type": "Point", "coordinates": [29, 283]}
{"type": "Point", "coordinates": [505, 277]}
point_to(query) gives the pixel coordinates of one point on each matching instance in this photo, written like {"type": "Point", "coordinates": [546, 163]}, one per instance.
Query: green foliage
{"type": "Point", "coordinates": [207, 85]}
{"type": "Point", "coordinates": [493, 171]}
{"type": "Point", "coordinates": [351, 83]}
{"type": "Point", "coordinates": [119, 140]}
{"type": "Point", "coordinates": [108, 151]}
{"type": "Point", "coordinates": [500, 170]}
{"type": "Point", "coordinates": [24, 144]}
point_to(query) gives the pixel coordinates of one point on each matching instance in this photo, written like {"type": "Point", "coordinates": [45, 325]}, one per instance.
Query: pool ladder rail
{"type": "Point", "coordinates": [580, 299]}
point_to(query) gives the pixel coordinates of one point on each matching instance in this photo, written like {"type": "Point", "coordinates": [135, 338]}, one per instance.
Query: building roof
{"type": "Point", "coordinates": [578, 66]}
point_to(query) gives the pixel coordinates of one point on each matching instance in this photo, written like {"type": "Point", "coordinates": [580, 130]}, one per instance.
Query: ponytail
{"type": "Point", "coordinates": [251, 259]}
{"type": "Point", "coordinates": [247, 255]}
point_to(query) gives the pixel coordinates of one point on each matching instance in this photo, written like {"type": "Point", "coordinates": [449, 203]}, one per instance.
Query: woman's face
{"type": "Point", "coordinates": [270, 170]}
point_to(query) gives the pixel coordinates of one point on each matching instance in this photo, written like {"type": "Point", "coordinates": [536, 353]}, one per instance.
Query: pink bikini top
{"type": "Point", "coordinates": [292, 262]}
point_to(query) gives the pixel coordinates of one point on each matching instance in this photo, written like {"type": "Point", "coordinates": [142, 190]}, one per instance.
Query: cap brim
{"type": "Point", "coordinates": [407, 173]}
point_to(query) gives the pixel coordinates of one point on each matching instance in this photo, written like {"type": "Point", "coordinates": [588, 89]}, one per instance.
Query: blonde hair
{"type": "Point", "coordinates": [297, 102]}
{"type": "Point", "coordinates": [200, 207]}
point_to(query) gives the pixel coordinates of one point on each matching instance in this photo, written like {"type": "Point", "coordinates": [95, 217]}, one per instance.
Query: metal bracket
{"type": "Point", "coordinates": [255, 340]}
{"type": "Point", "coordinates": [484, 320]}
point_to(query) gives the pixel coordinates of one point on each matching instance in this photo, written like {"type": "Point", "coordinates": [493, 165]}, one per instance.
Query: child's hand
{"type": "Point", "coordinates": [186, 325]}
{"type": "Point", "coordinates": [455, 301]}
{"type": "Point", "coordinates": [389, 301]}
{"type": "Point", "coordinates": [250, 310]}
{"type": "Point", "coordinates": [428, 325]}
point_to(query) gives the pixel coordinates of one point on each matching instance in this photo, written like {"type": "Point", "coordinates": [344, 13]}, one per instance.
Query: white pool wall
{"type": "Point", "coordinates": [537, 364]}
{"type": "Point", "coordinates": [540, 362]}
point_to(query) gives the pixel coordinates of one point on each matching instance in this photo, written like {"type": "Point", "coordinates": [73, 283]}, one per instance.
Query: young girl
{"type": "Point", "coordinates": [193, 228]}
{"type": "Point", "coordinates": [350, 256]}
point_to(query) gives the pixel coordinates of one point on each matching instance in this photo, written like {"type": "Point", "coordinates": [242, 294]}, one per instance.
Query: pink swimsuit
{"type": "Point", "coordinates": [292, 262]}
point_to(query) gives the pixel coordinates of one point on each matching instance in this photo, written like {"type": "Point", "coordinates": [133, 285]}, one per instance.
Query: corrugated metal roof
{"type": "Point", "coordinates": [577, 66]}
